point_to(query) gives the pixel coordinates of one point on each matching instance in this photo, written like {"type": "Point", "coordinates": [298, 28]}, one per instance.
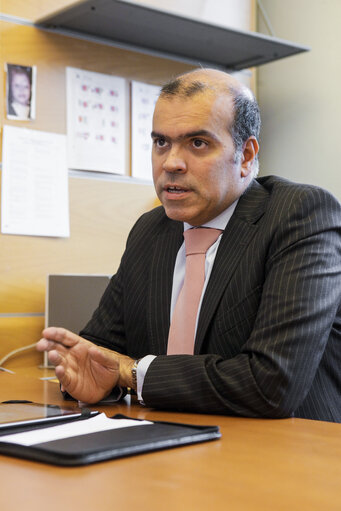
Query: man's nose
{"type": "Point", "coordinates": [174, 161]}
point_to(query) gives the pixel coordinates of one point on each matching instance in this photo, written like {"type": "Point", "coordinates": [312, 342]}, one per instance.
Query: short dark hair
{"type": "Point", "coordinates": [246, 120]}
{"type": "Point", "coordinates": [178, 88]}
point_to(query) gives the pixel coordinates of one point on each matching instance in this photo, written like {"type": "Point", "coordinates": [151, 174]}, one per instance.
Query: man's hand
{"type": "Point", "coordinates": [86, 371]}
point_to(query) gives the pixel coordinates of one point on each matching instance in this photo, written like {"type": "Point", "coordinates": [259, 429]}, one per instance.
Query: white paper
{"type": "Point", "coordinates": [97, 127]}
{"type": "Point", "coordinates": [143, 99]}
{"type": "Point", "coordinates": [77, 428]}
{"type": "Point", "coordinates": [34, 191]}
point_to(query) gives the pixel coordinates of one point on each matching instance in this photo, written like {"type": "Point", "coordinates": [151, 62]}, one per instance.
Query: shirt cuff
{"type": "Point", "coordinates": [142, 368]}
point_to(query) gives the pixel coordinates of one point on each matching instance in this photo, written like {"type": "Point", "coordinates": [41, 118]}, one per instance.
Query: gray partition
{"type": "Point", "coordinates": [71, 299]}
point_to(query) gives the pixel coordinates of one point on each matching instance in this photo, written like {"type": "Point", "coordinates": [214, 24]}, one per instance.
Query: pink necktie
{"type": "Point", "coordinates": [182, 330]}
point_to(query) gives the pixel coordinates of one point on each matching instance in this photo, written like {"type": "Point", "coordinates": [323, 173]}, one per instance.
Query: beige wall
{"type": "Point", "coordinates": [300, 96]}
{"type": "Point", "coordinates": [101, 211]}
{"type": "Point", "coordinates": [237, 14]}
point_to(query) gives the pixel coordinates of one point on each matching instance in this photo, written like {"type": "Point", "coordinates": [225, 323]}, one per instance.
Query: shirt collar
{"type": "Point", "coordinates": [220, 221]}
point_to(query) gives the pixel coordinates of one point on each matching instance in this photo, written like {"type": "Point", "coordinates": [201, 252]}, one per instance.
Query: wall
{"type": "Point", "coordinates": [237, 14]}
{"type": "Point", "coordinates": [300, 96]}
{"type": "Point", "coordinates": [102, 208]}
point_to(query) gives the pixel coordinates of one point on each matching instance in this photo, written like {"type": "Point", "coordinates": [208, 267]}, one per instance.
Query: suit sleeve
{"type": "Point", "coordinates": [278, 362]}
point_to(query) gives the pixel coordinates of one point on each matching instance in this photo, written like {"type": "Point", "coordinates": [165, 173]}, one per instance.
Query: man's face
{"type": "Point", "coordinates": [21, 88]}
{"type": "Point", "coordinates": [195, 173]}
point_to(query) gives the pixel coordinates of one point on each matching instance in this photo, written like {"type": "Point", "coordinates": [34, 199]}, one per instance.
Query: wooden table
{"type": "Point", "coordinates": [288, 464]}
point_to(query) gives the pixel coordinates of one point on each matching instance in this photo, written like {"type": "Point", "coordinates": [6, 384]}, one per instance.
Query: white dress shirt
{"type": "Point", "coordinates": [220, 222]}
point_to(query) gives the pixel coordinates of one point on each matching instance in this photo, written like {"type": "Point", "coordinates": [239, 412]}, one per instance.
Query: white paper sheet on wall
{"type": "Point", "coordinates": [97, 111]}
{"type": "Point", "coordinates": [34, 191]}
{"type": "Point", "coordinates": [143, 99]}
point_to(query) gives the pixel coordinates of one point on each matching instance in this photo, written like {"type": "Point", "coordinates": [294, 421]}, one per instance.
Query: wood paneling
{"type": "Point", "coordinates": [52, 53]}
{"type": "Point", "coordinates": [101, 211]}
{"type": "Point", "coordinates": [101, 215]}
{"type": "Point", "coordinates": [16, 332]}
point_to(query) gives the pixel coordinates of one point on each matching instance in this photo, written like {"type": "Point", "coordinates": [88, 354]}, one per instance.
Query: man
{"type": "Point", "coordinates": [268, 331]}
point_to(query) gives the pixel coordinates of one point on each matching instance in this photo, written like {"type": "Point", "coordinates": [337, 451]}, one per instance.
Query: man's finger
{"type": "Point", "coordinates": [43, 345]}
{"type": "Point", "coordinates": [48, 345]}
{"type": "Point", "coordinates": [55, 358]}
{"type": "Point", "coordinates": [62, 336]}
{"type": "Point", "coordinates": [63, 377]}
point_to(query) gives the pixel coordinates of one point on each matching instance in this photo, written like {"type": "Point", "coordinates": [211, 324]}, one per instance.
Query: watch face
{"type": "Point", "coordinates": [134, 374]}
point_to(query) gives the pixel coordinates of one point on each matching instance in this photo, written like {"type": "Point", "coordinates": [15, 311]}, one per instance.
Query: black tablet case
{"type": "Point", "coordinates": [116, 443]}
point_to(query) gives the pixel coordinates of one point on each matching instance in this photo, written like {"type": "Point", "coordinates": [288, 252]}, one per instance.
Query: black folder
{"type": "Point", "coordinates": [111, 444]}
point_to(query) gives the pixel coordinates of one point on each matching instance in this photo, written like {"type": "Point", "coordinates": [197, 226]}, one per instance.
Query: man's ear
{"type": "Point", "coordinates": [250, 150]}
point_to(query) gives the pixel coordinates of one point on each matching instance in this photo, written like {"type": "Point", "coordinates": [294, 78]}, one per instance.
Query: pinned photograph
{"type": "Point", "coordinates": [20, 92]}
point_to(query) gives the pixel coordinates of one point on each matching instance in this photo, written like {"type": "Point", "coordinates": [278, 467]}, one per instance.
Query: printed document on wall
{"type": "Point", "coordinates": [34, 191]}
{"type": "Point", "coordinates": [97, 127]}
{"type": "Point", "coordinates": [143, 99]}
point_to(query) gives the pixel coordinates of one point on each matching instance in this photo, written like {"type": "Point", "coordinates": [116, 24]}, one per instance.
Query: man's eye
{"type": "Point", "coordinates": [198, 143]}
{"type": "Point", "coordinates": [159, 142]}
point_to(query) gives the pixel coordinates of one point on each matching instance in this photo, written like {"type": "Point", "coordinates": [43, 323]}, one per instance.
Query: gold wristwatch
{"type": "Point", "coordinates": [134, 374]}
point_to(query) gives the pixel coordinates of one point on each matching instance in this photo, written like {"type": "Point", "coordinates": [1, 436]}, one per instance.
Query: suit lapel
{"type": "Point", "coordinates": [163, 259]}
{"type": "Point", "coordinates": [237, 235]}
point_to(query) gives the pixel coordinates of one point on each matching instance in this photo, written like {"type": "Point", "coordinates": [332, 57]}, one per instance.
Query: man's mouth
{"type": "Point", "coordinates": [175, 189]}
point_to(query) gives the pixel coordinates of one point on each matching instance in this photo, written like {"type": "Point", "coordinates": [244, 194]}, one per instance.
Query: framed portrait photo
{"type": "Point", "coordinates": [20, 92]}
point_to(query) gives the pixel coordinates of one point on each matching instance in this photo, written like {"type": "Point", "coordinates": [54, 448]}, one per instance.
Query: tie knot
{"type": "Point", "coordinates": [198, 241]}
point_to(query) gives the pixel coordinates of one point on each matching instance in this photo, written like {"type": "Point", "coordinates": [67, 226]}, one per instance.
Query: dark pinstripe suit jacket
{"type": "Point", "coordinates": [269, 333]}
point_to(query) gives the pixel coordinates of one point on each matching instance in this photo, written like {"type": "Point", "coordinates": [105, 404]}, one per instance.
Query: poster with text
{"type": "Point", "coordinates": [143, 99]}
{"type": "Point", "coordinates": [97, 127]}
{"type": "Point", "coordinates": [34, 187]}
